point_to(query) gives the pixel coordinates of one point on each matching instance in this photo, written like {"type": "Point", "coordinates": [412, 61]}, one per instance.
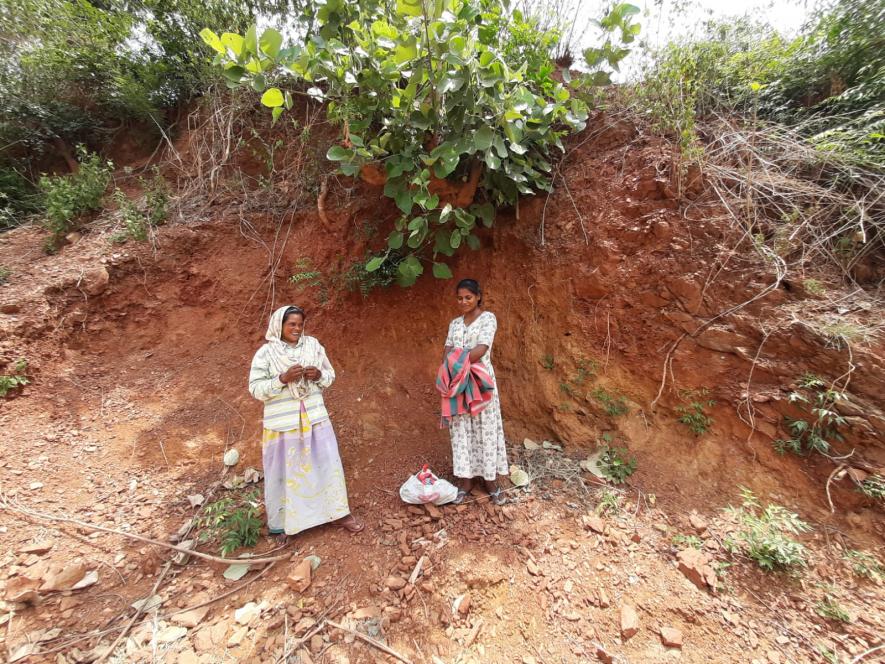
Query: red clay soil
{"type": "Point", "coordinates": [139, 355]}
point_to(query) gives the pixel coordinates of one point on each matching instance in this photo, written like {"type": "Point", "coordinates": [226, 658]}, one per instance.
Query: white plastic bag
{"type": "Point", "coordinates": [425, 487]}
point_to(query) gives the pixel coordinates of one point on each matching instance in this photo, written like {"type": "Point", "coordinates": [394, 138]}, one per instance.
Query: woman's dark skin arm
{"type": "Point", "coordinates": [477, 352]}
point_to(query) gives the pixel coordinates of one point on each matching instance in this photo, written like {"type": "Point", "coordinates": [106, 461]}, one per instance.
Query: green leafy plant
{"type": "Point", "coordinates": [692, 412]}
{"type": "Point", "coordinates": [764, 534]}
{"type": "Point", "coordinates": [567, 389]}
{"type": "Point", "coordinates": [69, 196]}
{"type": "Point", "coordinates": [151, 211]}
{"type": "Point", "coordinates": [615, 464]}
{"type": "Point", "coordinates": [609, 502]}
{"type": "Point", "coordinates": [548, 362]}
{"type": "Point", "coordinates": [692, 541]}
{"type": "Point", "coordinates": [565, 407]}
{"type": "Point", "coordinates": [817, 434]}
{"type": "Point", "coordinates": [358, 278]}
{"type": "Point", "coordinates": [231, 521]}
{"type": "Point", "coordinates": [586, 369]}
{"type": "Point", "coordinates": [4, 274]}
{"type": "Point", "coordinates": [864, 564]}
{"type": "Point", "coordinates": [614, 404]}
{"type": "Point", "coordinates": [814, 287]}
{"type": "Point", "coordinates": [829, 608]}
{"type": "Point", "coordinates": [827, 653]}
{"type": "Point", "coordinates": [19, 378]}
{"type": "Point", "coordinates": [433, 101]}
{"type": "Point", "coordinates": [618, 21]}
{"type": "Point", "coordinates": [306, 275]}
{"type": "Point", "coordinates": [873, 487]}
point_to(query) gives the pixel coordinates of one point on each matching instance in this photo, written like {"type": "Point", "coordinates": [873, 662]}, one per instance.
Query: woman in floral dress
{"type": "Point", "coordinates": [478, 449]}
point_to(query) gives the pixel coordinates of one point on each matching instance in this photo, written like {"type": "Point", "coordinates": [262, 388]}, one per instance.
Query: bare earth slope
{"type": "Point", "coordinates": [139, 355]}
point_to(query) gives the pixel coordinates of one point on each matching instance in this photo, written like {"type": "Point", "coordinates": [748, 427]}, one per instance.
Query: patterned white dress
{"type": "Point", "coordinates": [478, 441]}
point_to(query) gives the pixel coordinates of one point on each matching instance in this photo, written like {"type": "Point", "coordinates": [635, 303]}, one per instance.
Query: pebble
{"type": "Point", "coordinates": [671, 637]}
{"type": "Point", "coordinates": [629, 622]}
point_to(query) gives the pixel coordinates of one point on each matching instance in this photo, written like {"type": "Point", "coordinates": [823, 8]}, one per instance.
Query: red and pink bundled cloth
{"type": "Point", "coordinates": [466, 386]}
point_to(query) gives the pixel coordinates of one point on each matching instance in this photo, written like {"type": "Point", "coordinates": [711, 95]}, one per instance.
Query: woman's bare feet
{"type": "Point", "coordinates": [351, 524]}
{"type": "Point", "coordinates": [495, 494]}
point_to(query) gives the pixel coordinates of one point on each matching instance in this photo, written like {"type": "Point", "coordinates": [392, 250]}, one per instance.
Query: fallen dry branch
{"type": "Point", "coordinates": [41, 516]}
{"type": "Point", "coordinates": [368, 639]}
{"type": "Point", "coordinates": [138, 611]}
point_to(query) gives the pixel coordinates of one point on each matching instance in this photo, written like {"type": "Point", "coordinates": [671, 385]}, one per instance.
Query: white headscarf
{"type": "Point", "coordinates": [283, 355]}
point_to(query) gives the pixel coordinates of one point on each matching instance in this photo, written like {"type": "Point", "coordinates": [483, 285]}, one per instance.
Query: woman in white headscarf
{"type": "Point", "coordinates": [303, 477]}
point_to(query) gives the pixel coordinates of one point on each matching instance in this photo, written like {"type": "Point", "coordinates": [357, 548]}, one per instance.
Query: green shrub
{"type": "Point", "coordinates": [231, 521]}
{"type": "Point", "coordinates": [692, 412]}
{"type": "Point", "coordinates": [864, 564]}
{"type": "Point", "coordinates": [615, 464]}
{"type": "Point", "coordinates": [139, 217]}
{"type": "Point", "coordinates": [818, 433]}
{"type": "Point", "coordinates": [830, 609]}
{"type": "Point", "coordinates": [692, 541]}
{"type": "Point", "coordinates": [18, 197]}
{"type": "Point", "coordinates": [609, 502]}
{"type": "Point", "coordinates": [614, 404]}
{"type": "Point", "coordinates": [763, 534]}
{"type": "Point", "coordinates": [358, 278]}
{"type": "Point", "coordinates": [69, 196]}
{"type": "Point", "coordinates": [873, 487]}
{"type": "Point", "coordinates": [19, 378]}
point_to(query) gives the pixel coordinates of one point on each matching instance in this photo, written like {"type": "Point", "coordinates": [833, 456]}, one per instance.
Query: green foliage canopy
{"type": "Point", "coordinates": [428, 90]}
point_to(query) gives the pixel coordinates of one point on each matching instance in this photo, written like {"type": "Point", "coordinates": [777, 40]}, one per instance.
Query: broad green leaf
{"type": "Point", "coordinates": [482, 138]}
{"type": "Point", "coordinates": [271, 41]}
{"type": "Point", "coordinates": [473, 242]}
{"type": "Point", "coordinates": [486, 212]}
{"type": "Point", "coordinates": [212, 40]}
{"type": "Point", "coordinates": [441, 271]}
{"type": "Point", "coordinates": [406, 279]}
{"type": "Point", "coordinates": [404, 201]}
{"type": "Point", "coordinates": [375, 263]}
{"type": "Point", "coordinates": [455, 239]}
{"type": "Point", "coordinates": [404, 53]}
{"type": "Point", "coordinates": [250, 42]}
{"type": "Point", "coordinates": [276, 113]}
{"type": "Point", "coordinates": [395, 241]}
{"type": "Point", "coordinates": [441, 245]}
{"type": "Point", "coordinates": [272, 98]}
{"type": "Point", "coordinates": [451, 84]}
{"type": "Point", "coordinates": [233, 42]}
{"type": "Point", "coordinates": [338, 153]}
{"type": "Point", "coordinates": [234, 74]}
{"type": "Point", "coordinates": [409, 7]}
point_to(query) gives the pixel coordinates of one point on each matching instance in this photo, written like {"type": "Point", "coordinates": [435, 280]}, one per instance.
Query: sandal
{"type": "Point", "coordinates": [496, 497]}
{"type": "Point", "coordinates": [351, 524]}
{"type": "Point", "coordinates": [462, 494]}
